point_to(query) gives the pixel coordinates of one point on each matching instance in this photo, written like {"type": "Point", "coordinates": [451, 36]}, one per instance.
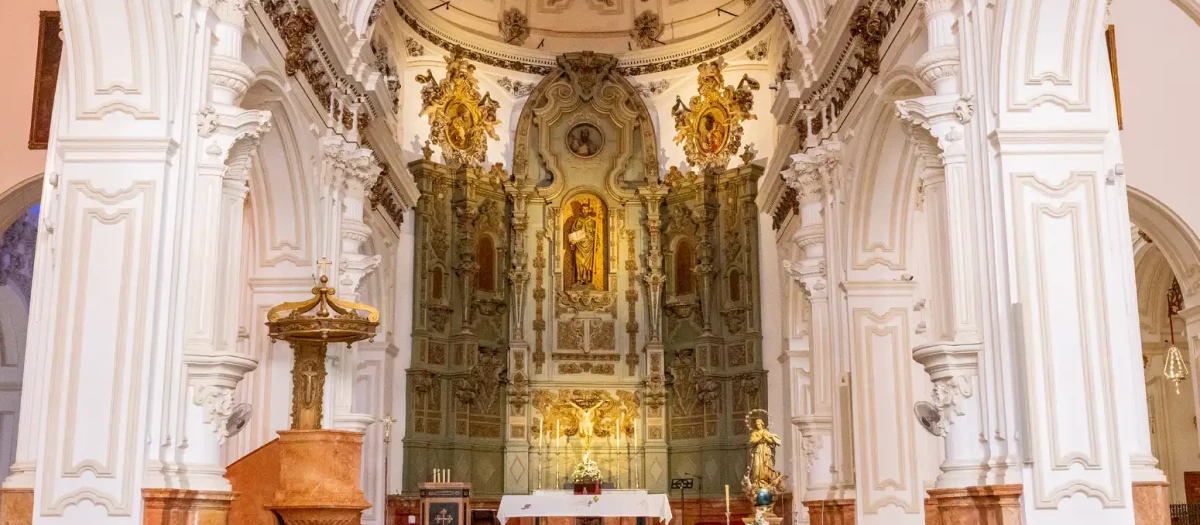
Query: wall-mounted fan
{"type": "Point", "coordinates": [928, 417]}
{"type": "Point", "coordinates": [238, 420]}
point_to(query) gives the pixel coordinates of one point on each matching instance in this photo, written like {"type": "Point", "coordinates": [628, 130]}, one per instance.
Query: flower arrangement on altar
{"type": "Point", "coordinates": [587, 471]}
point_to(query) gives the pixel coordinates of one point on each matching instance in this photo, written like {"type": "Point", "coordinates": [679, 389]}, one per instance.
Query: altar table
{"type": "Point", "coordinates": [565, 504]}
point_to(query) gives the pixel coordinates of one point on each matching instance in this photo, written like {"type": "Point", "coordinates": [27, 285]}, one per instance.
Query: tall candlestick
{"type": "Point", "coordinates": [618, 451]}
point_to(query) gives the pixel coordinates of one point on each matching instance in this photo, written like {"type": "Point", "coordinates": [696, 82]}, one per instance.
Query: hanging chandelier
{"type": "Point", "coordinates": [1175, 369]}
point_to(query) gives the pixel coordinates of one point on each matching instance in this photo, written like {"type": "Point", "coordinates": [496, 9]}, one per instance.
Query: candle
{"type": "Point", "coordinates": [726, 498]}
{"type": "Point", "coordinates": [618, 432]}
{"type": "Point", "coordinates": [539, 433]}
{"type": "Point", "coordinates": [557, 433]}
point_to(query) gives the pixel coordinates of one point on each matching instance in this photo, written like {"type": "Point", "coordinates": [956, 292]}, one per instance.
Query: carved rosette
{"type": "Point", "coordinates": [460, 119]}
{"type": "Point", "coordinates": [710, 125]}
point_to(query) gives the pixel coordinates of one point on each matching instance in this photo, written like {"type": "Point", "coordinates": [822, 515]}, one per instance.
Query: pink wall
{"type": "Point", "coordinates": [1160, 143]}
{"type": "Point", "coordinates": [18, 56]}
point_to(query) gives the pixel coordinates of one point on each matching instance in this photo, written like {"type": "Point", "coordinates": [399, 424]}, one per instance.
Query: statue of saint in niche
{"type": "Point", "coordinates": [584, 140]}
{"type": "Point", "coordinates": [583, 246]}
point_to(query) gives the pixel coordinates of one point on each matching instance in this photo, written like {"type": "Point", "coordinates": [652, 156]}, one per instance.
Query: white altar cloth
{"type": "Point", "coordinates": [563, 503]}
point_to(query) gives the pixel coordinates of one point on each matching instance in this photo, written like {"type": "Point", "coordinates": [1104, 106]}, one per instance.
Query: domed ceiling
{"type": "Point", "coordinates": [605, 26]}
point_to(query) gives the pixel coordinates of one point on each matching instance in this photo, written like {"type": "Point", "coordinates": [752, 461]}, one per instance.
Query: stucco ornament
{"type": "Point", "coordinates": [710, 125]}
{"type": "Point", "coordinates": [514, 27]}
{"type": "Point", "coordinates": [460, 119]}
{"type": "Point", "coordinates": [647, 27]}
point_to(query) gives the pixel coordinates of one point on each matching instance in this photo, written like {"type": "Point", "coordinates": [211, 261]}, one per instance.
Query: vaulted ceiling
{"type": "Point", "coordinates": [611, 26]}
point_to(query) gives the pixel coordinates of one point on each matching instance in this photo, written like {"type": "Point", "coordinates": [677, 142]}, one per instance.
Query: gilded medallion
{"type": "Point", "coordinates": [710, 125]}
{"type": "Point", "coordinates": [460, 119]}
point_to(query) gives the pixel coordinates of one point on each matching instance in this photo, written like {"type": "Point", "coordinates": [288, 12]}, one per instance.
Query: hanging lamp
{"type": "Point", "coordinates": [1175, 369]}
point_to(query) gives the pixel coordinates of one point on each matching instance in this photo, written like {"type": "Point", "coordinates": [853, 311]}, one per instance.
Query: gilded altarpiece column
{"type": "Point", "coordinates": [712, 336]}
{"type": "Point", "coordinates": [457, 390]}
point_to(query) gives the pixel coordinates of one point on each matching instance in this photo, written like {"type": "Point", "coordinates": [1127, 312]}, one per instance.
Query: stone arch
{"type": "Point", "coordinates": [19, 198]}
{"type": "Point", "coordinates": [280, 191]}
{"type": "Point", "coordinates": [1173, 237]}
{"type": "Point", "coordinates": [881, 197]}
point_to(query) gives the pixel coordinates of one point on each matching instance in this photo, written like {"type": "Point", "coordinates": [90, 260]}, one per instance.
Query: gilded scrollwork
{"type": "Point", "coordinates": [710, 125]}
{"type": "Point", "coordinates": [575, 301]}
{"type": "Point", "coordinates": [460, 119]}
{"type": "Point", "coordinates": [559, 406]}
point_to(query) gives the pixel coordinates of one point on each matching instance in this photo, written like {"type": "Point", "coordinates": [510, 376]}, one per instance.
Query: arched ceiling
{"type": "Point", "coordinates": [606, 26]}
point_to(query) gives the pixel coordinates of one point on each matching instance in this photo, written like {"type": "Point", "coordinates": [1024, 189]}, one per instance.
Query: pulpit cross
{"type": "Point", "coordinates": [324, 264]}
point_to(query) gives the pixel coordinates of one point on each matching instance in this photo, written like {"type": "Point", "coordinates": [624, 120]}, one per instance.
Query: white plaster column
{"type": "Point", "coordinates": [227, 138]}
{"type": "Point", "coordinates": [955, 216]}
{"type": "Point", "coordinates": [211, 378]}
{"type": "Point", "coordinates": [140, 170]}
{"type": "Point", "coordinates": [41, 306]}
{"type": "Point", "coordinates": [1058, 154]}
{"type": "Point", "coordinates": [351, 171]}
{"type": "Point", "coordinates": [815, 422]}
{"type": "Point", "coordinates": [889, 488]}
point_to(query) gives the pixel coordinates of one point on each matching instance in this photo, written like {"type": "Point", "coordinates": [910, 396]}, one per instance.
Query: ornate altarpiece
{"type": "Point", "coordinates": [588, 280]}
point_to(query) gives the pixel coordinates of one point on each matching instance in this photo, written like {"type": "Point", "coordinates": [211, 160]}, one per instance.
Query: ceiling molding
{"type": "Point", "coordinates": [642, 62]}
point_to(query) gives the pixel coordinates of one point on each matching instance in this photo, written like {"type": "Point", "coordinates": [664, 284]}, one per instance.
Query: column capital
{"type": "Point", "coordinates": [229, 11]}
{"type": "Point", "coordinates": [214, 377]}
{"type": "Point", "coordinates": [941, 116]}
{"type": "Point", "coordinates": [231, 136]}
{"type": "Point", "coordinates": [951, 368]}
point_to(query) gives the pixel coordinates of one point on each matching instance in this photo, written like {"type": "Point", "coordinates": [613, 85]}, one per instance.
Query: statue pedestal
{"type": "Point", "coordinates": [318, 477]}
{"type": "Point", "coordinates": [768, 517]}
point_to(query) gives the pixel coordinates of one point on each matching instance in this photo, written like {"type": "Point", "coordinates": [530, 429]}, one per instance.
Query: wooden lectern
{"type": "Point", "coordinates": [446, 503]}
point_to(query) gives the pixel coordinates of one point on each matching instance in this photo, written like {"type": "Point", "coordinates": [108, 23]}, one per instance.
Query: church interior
{"type": "Point", "coordinates": [599, 262]}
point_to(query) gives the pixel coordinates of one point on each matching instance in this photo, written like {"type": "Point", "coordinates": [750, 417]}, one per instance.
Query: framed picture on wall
{"type": "Point", "coordinates": [45, 78]}
{"type": "Point", "coordinates": [1110, 38]}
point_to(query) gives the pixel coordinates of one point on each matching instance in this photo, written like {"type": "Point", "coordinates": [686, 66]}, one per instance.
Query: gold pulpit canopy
{"type": "Point", "coordinates": [322, 319]}
{"type": "Point", "coordinates": [310, 326]}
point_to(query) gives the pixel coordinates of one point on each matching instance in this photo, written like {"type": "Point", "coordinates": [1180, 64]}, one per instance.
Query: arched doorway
{"type": "Point", "coordinates": [19, 211]}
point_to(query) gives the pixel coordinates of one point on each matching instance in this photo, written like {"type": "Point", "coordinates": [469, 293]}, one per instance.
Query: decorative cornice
{"type": "Point", "coordinates": [861, 53]}
{"type": "Point", "coordinates": [626, 67]}
{"type": "Point", "coordinates": [385, 197]}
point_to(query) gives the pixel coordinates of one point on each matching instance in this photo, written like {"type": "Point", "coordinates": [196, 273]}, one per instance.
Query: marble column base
{"type": "Point", "coordinates": [318, 477]}
{"type": "Point", "coordinates": [986, 505]}
{"type": "Point", "coordinates": [933, 516]}
{"type": "Point", "coordinates": [1151, 503]}
{"type": "Point", "coordinates": [192, 507]}
{"type": "Point", "coordinates": [830, 512]}
{"type": "Point", "coordinates": [16, 506]}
